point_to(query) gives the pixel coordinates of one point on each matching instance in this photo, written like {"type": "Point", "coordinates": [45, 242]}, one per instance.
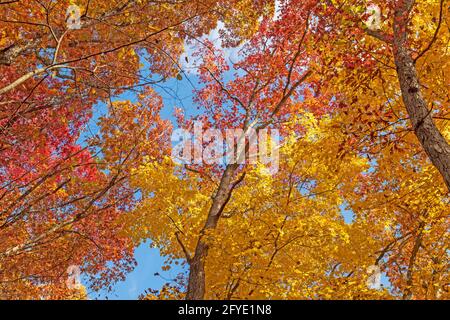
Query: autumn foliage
{"type": "Point", "coordinates": [358, 91]}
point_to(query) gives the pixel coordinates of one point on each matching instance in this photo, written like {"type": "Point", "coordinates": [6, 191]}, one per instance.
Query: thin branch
{"type": "Point", "coordinates": [433, 40]}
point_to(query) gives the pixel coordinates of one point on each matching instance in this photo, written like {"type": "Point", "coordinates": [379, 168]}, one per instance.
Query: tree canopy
{"type": "Point", "coordinates": [349, 100]}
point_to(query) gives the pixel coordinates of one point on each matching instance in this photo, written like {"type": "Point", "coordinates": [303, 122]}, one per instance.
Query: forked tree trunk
{"type": "Point", "coordinates": [196, 283]}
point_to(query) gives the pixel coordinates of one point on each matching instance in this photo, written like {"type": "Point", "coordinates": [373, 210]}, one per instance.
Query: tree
{"type": "Point", "coordinates": [60, 195]}
{"type": "Point", "coordinates": [407, 42]}
{"type": "Point", "coordinates": [66, 212]}
{"type": "Point", "coordinates": [292, 65]}
{"type": "Point", "coordinates": [357, 91]}
{"type": "Point", "coordinates": [264, 95]}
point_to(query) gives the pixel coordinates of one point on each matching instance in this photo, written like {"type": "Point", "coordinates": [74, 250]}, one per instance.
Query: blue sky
{"type": "Point", "coordinates": [142, 277]}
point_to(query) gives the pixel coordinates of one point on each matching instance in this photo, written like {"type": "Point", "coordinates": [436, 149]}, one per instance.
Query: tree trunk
{"type": "Point", "coordinates": [196, 283]}
{"type": "Point", "coordinates": [431, 139]}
